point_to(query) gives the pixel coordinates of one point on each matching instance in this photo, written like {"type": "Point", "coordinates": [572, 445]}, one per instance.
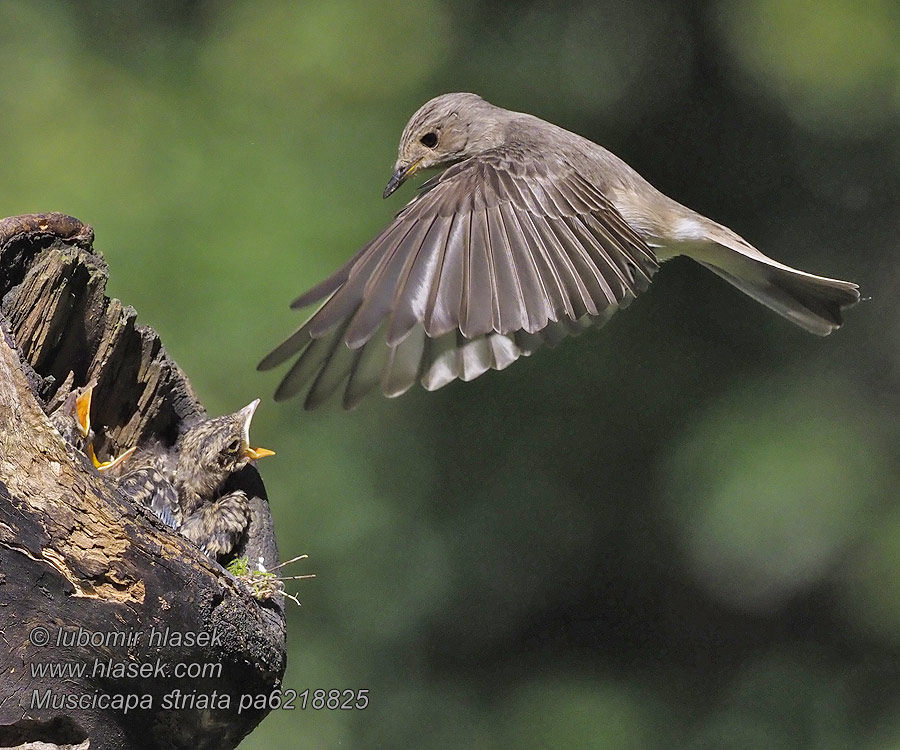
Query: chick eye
{"type": "Point", "coordinates": [429, 140]}
{"type": "Point", "coordinates": [234, 446]}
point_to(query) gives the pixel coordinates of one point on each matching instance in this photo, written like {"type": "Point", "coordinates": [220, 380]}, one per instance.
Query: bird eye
{"type": "Point", "coordinates": [429, 140]}
{"type": "Point", "coordinates": [234, 446]}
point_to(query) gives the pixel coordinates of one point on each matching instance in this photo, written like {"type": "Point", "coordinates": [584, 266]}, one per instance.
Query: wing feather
{"type": "Point", "coordinates": [413, 290]}
{"type": "Point", "coordinates": [537, 302]}
{"type": "Point", "coordinates": [379, 292]}
{"type": "Point", "coordinates": [508, 302]}
{"type": "Point", "coordinates": [442, 313]}
{"type": "Point", "coordinates": [478, 301]}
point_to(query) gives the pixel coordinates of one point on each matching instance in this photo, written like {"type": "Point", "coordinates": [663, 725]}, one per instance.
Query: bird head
{"type": "Point", "coordinates": [71, 415]}
{"type": "Point", "coordinates": [215, 448]}
{"type": "Point", "coordinates": [443, 131]}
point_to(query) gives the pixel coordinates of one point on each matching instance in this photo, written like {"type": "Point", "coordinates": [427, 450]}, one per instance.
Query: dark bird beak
{"type": "Point", "coordinates": [399, 177]}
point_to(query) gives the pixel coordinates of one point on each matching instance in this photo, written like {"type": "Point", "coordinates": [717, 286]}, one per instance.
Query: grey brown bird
{"type": "Point", "coordinates": [531, 234]}
{"type": "Point", "coordinates": [185, 484]}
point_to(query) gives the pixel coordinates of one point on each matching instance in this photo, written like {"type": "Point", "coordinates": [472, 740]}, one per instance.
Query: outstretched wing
{"type": "Point", "coordinates": [496, 256]}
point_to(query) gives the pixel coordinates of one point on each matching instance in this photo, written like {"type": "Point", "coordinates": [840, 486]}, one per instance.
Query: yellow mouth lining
{"type": "Point", "coordinates": [83, 411]}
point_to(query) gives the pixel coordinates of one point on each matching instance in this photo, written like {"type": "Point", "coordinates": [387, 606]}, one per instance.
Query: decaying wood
{"type": "Point", "coordinates": [79, 560]}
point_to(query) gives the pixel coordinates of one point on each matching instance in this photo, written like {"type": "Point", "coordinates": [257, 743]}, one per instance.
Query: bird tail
{"type": "Point", "coordinates": [812, 302]}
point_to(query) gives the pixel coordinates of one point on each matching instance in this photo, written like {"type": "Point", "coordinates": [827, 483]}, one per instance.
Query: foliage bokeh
{"type": "Point", "coordinates": [681, 531]}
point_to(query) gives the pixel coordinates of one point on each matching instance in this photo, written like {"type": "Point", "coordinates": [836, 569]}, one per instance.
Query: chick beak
{"type": "Point", "coordinates": [255, 453]}
{"type": "Point", "coordinates": [83, 411]}
{"type": "Point", "coordinates": [252, 453]}
{"type": "Point", "coordinates": [400, 176]}
{"type": "Point", "coordinates": [102, 466]}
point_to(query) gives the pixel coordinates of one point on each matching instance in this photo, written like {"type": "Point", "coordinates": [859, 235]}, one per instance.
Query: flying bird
{"type": "Point", "coordinates": [185, 484]}
{"type": "Point", "coordinates": [529, 235]}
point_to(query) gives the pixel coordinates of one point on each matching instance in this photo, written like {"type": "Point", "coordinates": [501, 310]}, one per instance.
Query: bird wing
{"type": "Point", "coordinates": [493, 254]}
{"type": "Point", "coordinates": [217, 526]}
{"type": "Point", "coordinates": [146, 486]}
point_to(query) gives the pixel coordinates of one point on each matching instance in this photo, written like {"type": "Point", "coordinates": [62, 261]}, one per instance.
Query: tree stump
{"type": "Point", "coordinates": [115, 629]}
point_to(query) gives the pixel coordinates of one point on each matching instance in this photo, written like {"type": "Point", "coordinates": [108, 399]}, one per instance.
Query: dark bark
{"type": "Point", "coordinates": [77, 557]}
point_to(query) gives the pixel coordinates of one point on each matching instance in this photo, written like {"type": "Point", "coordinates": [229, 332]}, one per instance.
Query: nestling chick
{"type": "Point", "coordinates": [210, 452]}
{"type": "Point", "coordinates": [184, 484]}
{"type": "Point", "coordinates": [70, 413]}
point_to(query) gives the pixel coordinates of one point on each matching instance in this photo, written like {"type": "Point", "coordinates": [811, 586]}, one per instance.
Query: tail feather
{"type": "Point", "coordinates": [815, 303]}
{"type": "Point", "coordinates": [812, 302]}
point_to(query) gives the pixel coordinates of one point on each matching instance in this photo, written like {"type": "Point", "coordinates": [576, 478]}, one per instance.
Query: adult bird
{"type": "Point", "coordinates": [531, 234]}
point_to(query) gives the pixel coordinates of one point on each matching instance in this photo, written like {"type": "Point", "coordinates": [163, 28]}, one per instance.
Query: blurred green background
{"type": "Point", "coordinates": [680, 531]}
